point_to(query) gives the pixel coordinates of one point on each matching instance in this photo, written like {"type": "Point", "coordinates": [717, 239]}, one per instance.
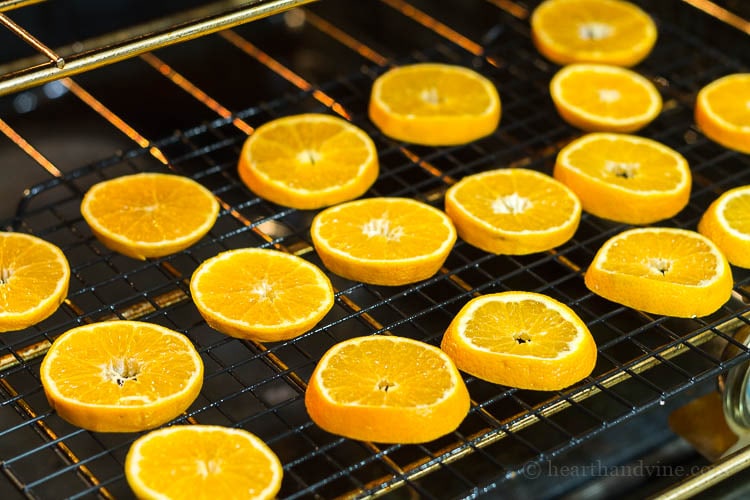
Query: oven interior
{"type": "Point", "coordinates": [187, 108]}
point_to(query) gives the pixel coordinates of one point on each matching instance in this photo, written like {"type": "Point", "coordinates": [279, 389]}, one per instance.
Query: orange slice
{"type": "Point", "coordinates": [386, 389]}
{"type": "Point", "coordinates": [149, 215]}
{"type": "Point", "coordinates": [308, 161]}
{"type": "Point", "coordinates": [260, 294]}
{"type": "Point", "coordinates": [513, 211]}
{"type": "Point", "coordinates": [603, 98]}
{"type": "Point", "coordinates": [121, 376]}
{"type": "Point", "coordinates": [659, 270]}
{"type": "Point", "coordinates": [521, 339]}
{"type": "Point", "coordinates": [434, 104]}
{"type": "Point", "coordinates": [592, 31]}
{"type": "Point", "coordinates": [722, 111]}
{"type": "Point", "coordinates": [625, 178]}
{"type": "Point", "coordinates": [726, 222]}
{"type": "Point", "coordinates": [34, 277]}
{"type": "Point", "coordinates": [202, 462]}
{"type": "Point", "coordinates": [383, 241]}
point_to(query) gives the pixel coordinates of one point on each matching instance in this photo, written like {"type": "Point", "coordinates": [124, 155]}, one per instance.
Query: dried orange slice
{"type": "Point", "coordinates": [604, 98]}
{"type": "Point", "coordinates": [260, 294]}
{"type": "Point", "coordinates": [150, 214]}
{"type": "Point", "coordinates": [625, 178]}
{"type": "Point", "coordinates": [659, 270]}
{"type": "Point", "coordinates": [722, 111]}
{"type": "Point", "coordinates": [592, 31]}
{"type": "Point", "coordinates": [196, 462]}
{"type": "Point", "coordinates": [34, 277]}
{"type": "Point", "coordinates": [121, 376]}
{"type": "Point", "coordinates": [308, 161]}
{"type": "Point", "coordinates": [434, 104]}
{"type": "Point", "coordinates": [383, 241]}
{"type": "Point", "coordinates": [521, 339]}
{"type": "Point", "coordinates": [386, 389]}
{"type": "Point", "coordinates": [513, 211]}
{"type": "Point", "coordinates": [726, 222]}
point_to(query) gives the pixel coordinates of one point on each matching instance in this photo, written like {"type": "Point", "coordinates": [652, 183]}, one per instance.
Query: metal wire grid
{"type": "Point", "coordinates": [643, 360]}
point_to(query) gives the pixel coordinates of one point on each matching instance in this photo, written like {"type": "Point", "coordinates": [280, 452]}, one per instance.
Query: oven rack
{"type": "Point", "coordinates": [644, 360]}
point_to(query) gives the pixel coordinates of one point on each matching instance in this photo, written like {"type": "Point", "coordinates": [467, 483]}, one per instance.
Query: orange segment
{"type": "Point", "coordinates": [383, 241]}
{"type": "Point", "coordinates": [599, 97]}
{"type": "Point", "coordinates": [673, 272]}
{"type": "Point", "coordinates": [259, 294]}
{"type": "Point", "coordinates": [726, 222]}
{"type": "Point", "coordinates": [521, 339]}
{"type": "Point", "coordinates": [202, 462]}
{"type": "Point", "coordinates": [308, 161]}
{"type": "Point", "coordinates": [434, 104]}
{"type": "Point", "coordinates": [149, 215]}
{"type": "Point", "coordinates": [625, 178]}
{"type": "Point", "coordinates": [34, 277]}
{"type": "Point", "coordinates": [121, 376]}
{"type": "Point", "coordinates": [513, 211]}
{"type": "Point", "coordinates": [593, 31]}
{"type": "Point", "coordinates": [386, 389]}
{"type": "Point", "coordinates": [722, 111]}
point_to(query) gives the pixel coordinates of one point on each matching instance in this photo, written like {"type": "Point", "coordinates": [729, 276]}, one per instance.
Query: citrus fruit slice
{"type": "Point", "coordinates": [521, 339]}
{"type": "Point", "coordinates": [198, 462]}
{"type": "Point", "coordinates": [386, 389]}
{"type": "Point", "coordinates": [659, 270]}
{"type": "Point", "coordinates": [722, 111]}
{"type": "Point", "coordinates": [260, 294]}
{"type": "Point", "coordinates": [34, 278]}
{"type": "Point", "coordinates": [604, 98]}
{"type": "Point", "coordinates": [434, 104]}
{"type": "Point", "coordinates": [383, 241]}
{"type": "Point", "coordinates": [149, 214]}
{"type": "Point", "coordinates": [308, 161]}
{"type": "Point", "coordinates": [121, 376]}
{"type": "Point", "coordinates": [726, 222]}
{"type": "Point", "coordinates": [513, 211]}
{"type": "Point", "coordinates": [625, 178]}
{"type": "Point", "coordinates": [592, 31]}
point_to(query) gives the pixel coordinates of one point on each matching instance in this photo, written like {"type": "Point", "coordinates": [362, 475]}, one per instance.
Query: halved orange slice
{"type": "Point", "coordinates": [434, 104]}
{"type": "Point", "coordinates": [625, 178]}
{"type": "Point", "coordinates": [722, 111]}
{"type": "Point", "coordinates": [386, 389]}
{"type": "Point", "coordinates": [308, 161]}
{"type": "Point", "coordinates": [521, 339]}
{"type": "Point", "coordinates": [34, 278]}
{"type": "Point", "coordinates": [604, 98]}
{"type": "Point", "coordinates": [726, 222]}
{"type": "Point", "coordinates": [668, 271]}
{"type": "Point", "coordinates": [513, 211]}
{"type": "Point", "coordinates": [593, 31]}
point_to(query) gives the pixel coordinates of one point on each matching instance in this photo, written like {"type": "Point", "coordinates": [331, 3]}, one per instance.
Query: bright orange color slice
{"type": "Point", "coordinates": [386, 389]}
{"type": "Point", "coordinates": [625, 178]}
{"type": "Point", "coordinates": [593, 31]}
{"type": "Point", "coordinates": [308, 161]}
{"type": "Point", "coordinates": [722, 111]}
{"type": "Point", "coordinates": [513, 211]}
{"type": "Point", "coordinates": [34, 277]}
{"type": "Point", "coordinates": [603, 98]}
{"type": "Point", "coordinates": [383, 241]}
{"type": "Point", "coordinates": [434, 104]}
{"type": "Point", "coordinates": [202, 462]}
{"type": "Point", "coordinates": [726, 222]}
{"type": "Point", "coordinates": [259, 294]}
{"type": "Point", "coordinates": [150, 214]}
{"type": "Point", "coordinates": [121, 376]}
{"type": "Point", "coordinates": [659, 270]}
{"type": "Point", "coordinates": [521, 339]}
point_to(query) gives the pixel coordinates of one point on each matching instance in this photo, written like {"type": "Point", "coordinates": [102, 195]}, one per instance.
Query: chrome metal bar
{"type": "Point", "coordinates": [710, 476]}
{"type": "Point", "coordinates": [6, 5]}
{"type": "Point", "coordinates": [30, 39]}
{"type": "Point", "coordinates": [37, 75]}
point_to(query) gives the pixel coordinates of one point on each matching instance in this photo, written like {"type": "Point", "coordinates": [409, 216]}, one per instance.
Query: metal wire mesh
{"type": "Point", "coordinates": [643, 359]}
